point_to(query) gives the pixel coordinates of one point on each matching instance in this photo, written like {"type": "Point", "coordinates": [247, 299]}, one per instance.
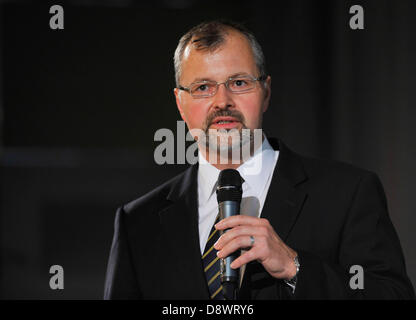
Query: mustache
{"type": "Point", "coordinates": [224, 113]}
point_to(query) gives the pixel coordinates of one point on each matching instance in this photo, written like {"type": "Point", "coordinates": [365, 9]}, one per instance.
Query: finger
{"type": "Point", "coordinates": [245, 258]}
{"type": "Point", "coordinates": [234, 221]}
{"type": "Point", "coordinates": [234, 245]}
{"type": "Point", "coordinates": [238, 232]}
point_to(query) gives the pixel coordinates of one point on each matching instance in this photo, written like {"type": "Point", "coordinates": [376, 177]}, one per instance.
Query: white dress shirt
{"type": "Point", "coordinates": [255, 188]}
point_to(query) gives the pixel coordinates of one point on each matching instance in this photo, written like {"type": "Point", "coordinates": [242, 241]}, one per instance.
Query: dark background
{"type": "Point", "coordinates": [79, 108]}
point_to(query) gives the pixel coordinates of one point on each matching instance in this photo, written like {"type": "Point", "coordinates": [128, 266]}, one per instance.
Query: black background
{"type": "Point", "coordinates": [79, 108]}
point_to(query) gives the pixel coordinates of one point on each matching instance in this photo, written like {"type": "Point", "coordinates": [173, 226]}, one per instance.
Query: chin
{"type": "Point", "coordinates": [228, 140]}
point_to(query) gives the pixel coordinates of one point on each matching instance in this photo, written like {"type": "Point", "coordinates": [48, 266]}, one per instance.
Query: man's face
{"type": "Point", "coordinates": [233, 57]}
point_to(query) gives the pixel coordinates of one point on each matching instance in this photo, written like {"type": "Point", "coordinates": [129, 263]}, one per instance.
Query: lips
{"type": "Point", "coordinates": [224, 123]}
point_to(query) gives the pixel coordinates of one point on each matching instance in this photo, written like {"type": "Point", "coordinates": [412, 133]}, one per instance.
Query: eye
{"type": "Point", "coordinates": [202, 87]}
{"type": "Point", "coordinates": [239, 83]}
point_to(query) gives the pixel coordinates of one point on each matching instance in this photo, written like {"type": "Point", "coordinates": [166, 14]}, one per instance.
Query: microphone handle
{"type": "Point", "coordinates": [229, 277]}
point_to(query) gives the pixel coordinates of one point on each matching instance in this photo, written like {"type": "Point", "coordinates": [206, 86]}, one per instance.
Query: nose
{"type": "Point", "coordinates": [223, 98]}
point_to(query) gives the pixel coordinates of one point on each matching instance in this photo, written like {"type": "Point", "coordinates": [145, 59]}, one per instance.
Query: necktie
{"type": "Point", "coordinates": [212, 265]}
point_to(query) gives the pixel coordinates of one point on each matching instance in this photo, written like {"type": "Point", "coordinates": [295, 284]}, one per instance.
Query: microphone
{"type": "Point", "coordinates": [229, 193]}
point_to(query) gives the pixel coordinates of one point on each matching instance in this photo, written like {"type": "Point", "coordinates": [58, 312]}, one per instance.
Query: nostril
{"type": "Point", "coordinates": [223, 105]}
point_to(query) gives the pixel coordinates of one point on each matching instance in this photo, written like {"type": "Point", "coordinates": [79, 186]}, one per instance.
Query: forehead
{"type": "Point", "coordinates": [233, 56]}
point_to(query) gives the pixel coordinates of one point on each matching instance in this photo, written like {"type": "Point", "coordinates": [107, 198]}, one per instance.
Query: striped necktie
{"type": "Point", "coordinates": [212, 265]}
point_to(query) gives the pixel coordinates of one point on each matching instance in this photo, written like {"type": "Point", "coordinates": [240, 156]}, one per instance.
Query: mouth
{"type": "Point", "coordinates": [224, 123]}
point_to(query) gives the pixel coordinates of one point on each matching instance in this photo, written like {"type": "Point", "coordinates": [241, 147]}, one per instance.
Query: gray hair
{"type": "Point", "coordinates": [211, 35]}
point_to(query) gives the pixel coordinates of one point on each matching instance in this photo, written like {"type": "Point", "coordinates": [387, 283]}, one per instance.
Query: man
{"type": "Point", "coordinates": [304, 222]}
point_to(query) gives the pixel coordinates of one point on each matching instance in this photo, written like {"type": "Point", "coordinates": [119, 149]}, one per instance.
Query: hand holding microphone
{"type": "Point", "coordinates": [241, 232]}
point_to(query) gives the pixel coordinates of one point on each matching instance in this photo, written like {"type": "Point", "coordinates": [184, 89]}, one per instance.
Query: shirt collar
{"type": "Point", "coordinates": [263, 157]}
{"type": "Point", "coordinates": [207, 178]}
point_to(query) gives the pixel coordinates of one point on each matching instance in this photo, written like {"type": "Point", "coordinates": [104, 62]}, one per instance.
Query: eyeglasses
{"type": "Point", "coordinates": [240, 84]}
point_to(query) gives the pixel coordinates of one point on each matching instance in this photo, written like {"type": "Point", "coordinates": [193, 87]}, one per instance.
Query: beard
{"type": "Point", "coordinates": [227, 143]}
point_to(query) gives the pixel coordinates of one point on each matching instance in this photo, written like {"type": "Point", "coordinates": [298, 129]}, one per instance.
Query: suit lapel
{"type": "Point", "coordinates": [180, 226]}
{"type": "Point", "coordinates": [284, 200]}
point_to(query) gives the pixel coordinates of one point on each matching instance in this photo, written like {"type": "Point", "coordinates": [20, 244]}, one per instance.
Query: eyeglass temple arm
{"type": "Point", "coordinates": [183, 88]}
{"type": "Point", "coordinates": [261, 78]}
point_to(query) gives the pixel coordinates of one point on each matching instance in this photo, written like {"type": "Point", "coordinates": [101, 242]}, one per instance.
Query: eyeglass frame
{"type": "Point", "coordinates": [188, 89]}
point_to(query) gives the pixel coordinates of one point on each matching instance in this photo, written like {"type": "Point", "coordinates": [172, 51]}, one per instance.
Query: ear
{"type": "Point", "coordinates": [177, 93]}
{"type": "Point", "coordinates": [267, 87]}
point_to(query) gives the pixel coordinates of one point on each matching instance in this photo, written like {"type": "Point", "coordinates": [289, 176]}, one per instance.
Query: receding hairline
{"type": "Point", "coordinates": [221, 37]}
{"type": "Point", "coordinates": [225, 37]}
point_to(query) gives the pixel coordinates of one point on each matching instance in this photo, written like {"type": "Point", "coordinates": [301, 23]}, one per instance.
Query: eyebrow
{"type": "Point", "coordinates": [238, 74]}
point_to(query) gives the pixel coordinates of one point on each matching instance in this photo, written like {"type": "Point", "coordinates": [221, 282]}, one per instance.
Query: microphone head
{"type": "Point", "coordinates": [229, 186]}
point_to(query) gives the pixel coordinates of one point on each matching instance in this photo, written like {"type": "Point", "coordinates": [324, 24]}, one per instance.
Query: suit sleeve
{"type": "Point", "coordinates": [368, 240]}
{"type": "Point", "coordinates": [121, 281]}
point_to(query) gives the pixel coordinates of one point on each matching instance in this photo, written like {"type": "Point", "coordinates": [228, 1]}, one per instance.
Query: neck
{"type": "Point", "coordinates": [220, 162]}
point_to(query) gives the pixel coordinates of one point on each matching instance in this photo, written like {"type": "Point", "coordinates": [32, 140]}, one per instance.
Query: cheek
{"type": "Point", "coordinates": [195, 114]}
{"type": "Point", "coordinates": [251, 108]}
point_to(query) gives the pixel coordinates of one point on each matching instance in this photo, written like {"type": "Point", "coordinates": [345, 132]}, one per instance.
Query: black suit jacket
{"type": "Point", "coordinates": [333, 214]}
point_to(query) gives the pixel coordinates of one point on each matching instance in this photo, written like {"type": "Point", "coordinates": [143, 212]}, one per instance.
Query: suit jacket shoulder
{"type": "Point", "coordinates": [155, 199]}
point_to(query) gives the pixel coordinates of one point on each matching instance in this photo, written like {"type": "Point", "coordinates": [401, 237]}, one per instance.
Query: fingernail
{"type": "Point", "coordinates": [217, 225]}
